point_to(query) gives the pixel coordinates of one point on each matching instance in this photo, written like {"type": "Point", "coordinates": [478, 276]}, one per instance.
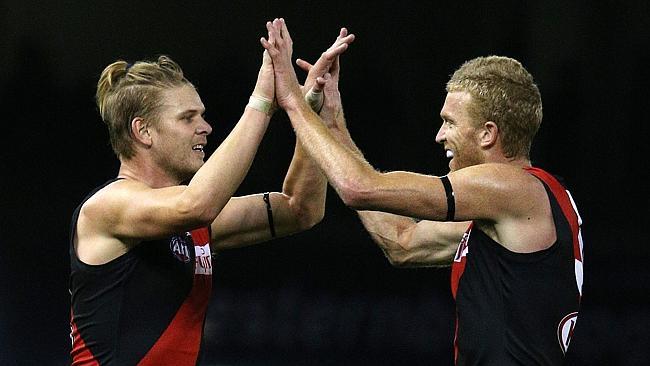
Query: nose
{"type": "Point", "coordinates": [204, 127]}
{"type": "Point", "coordinates": [440, 136]}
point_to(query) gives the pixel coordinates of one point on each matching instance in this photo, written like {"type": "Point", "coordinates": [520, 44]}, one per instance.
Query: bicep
{"type": "Point", "coordinates": [479, 192]}
{"type": "Point", "coordinates": [242, 221]}
{"type": "Point", "coordinates": [432, 243]}
{"type": "Point", "coordinates": [407, 243]}
{"type": "Point", "coordinates": [245, 220]}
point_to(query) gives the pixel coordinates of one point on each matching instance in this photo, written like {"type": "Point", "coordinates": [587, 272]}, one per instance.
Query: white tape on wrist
{"type": "Point", "coordinates": [315, 100]}
{"type": "Point", "coordinates": [261, 104]}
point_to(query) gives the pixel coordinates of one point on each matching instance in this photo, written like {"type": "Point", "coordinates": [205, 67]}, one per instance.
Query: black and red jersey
{"type": "Point", "coordinates": [519, 308]}
{"type": "Point", "coordinates": [146, 307]}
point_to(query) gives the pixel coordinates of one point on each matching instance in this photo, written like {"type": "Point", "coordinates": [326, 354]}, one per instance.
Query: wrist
{"type": "Point", "coordinates": [315, 100]}
{"type": "Point", "coordinates": [261, 104]}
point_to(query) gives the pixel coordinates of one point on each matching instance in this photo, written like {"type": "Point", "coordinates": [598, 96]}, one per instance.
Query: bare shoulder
{"type": "Point", "coordinates": [495, 172]}
{"type": "Point", "coordinates": [521, 218]}
{"type": "Point", "coordinates": [110, 197]}
{"type": "Point", "coordinates": [495, 191]}
{"type": "Point", "coordinates": [94, 241]}
{"type": "Point", "coordinates": [508, 178]}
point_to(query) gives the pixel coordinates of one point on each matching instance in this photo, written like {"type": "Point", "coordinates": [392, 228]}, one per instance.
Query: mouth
{"type": "Point", "coordinates": [198, 147]}
{"type": "Point", "coordinates": [449, 154]}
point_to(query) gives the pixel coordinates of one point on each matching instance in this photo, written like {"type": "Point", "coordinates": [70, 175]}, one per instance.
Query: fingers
{"type": "Point", "coordinates": [268, 44]}
{"type": "Point", "coordinates": [320, 83]}
{"type": "Point", "coordinates": [306, 66]}
{"type": "Point", "coordinates": [284, 31]}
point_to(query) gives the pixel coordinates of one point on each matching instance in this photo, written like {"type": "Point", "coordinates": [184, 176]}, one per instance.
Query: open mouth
{"type": "Point", "coordinates": [198, 147]}
{"type": "Point", "coordinates": [449, 154]}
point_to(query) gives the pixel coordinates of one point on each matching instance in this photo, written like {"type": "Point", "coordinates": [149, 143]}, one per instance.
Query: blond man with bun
{"type": "Point", "coordinates": [141, 244]}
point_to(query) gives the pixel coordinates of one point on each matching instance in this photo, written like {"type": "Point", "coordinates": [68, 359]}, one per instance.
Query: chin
{"type": "Point", "coordinates": [452, 166]}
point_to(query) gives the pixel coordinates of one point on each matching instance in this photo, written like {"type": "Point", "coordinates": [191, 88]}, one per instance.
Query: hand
{"type": "Point", "coordinates": [328, 62]}
{"type": "Point", "coordinates": [332, 110]}
{"type": "Point", "coordinates": [280, 47]}
{"type": "Point", "coordinates": [265, 86]}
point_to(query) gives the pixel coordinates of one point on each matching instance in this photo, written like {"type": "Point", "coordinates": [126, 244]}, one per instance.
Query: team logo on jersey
{"type": "Point", "coordinates": [203, 259]}
{"type": "Point", "coordinates": [463, 248]}
{"type": "Point", "coordinates": [565, 330]}
{"type": "Point", "coordinates": [179, 245]}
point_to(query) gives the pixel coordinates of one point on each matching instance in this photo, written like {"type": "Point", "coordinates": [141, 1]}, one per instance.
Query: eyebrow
{"type": "Point", "coordinates": [446, 117]}
{"type": "Point", "coordinates": [191, 112]}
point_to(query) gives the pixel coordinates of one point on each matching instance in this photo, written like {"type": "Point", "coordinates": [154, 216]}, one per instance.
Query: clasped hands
{"type": "Point", "coordinates": [277, 76]}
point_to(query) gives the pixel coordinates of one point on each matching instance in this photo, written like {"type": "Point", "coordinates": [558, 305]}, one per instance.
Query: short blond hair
{"type": "Point", "coordinates": [126, 91]}
{"type": "Point", "coordinates": [502, 92]}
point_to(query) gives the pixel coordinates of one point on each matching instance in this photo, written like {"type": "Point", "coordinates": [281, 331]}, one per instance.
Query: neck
{"type": "Point", "coordinates": [497, 156]}
{"type": "Point", "coordinates": [136, 168]}
{"type": "Point", "coordinates": [516, 161]}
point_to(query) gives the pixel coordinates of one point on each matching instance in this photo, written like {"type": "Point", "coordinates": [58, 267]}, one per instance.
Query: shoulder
{"type": "Point", "coordinates": [497, 176]}
{"type": "Point", "coordinates": [110, 197]}
{"type": "Point", "coordinates": [497, 191]}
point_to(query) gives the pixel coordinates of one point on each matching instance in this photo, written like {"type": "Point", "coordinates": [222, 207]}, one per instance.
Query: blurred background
{"type": "Point", "coordinates": [326, 296]}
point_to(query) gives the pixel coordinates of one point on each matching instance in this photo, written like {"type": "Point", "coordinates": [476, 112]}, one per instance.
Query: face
{"type": "Point", "coordinates": [180, 134]}
{"type": "Point", "coordinates": [457, 133]}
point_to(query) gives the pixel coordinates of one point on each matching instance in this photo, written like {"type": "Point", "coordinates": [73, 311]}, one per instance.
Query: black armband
{"type": "Point", "coordinates": [451, 202]}
{"type": "Point", "coordinates": [269, 213]}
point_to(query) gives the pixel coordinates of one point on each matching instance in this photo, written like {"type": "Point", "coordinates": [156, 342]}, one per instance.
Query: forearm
{"type": "Point", "coordinates": [410, 243]}
{"type": "Point", "coordinates": [386, 230]}
{"type": "Point", "coordinates": [345, 171]}
{"type": "Point", "coordinates": [218, 179]}
{"type": "Point", "coordinates": [305, 188]}
{"type": "Point", "coordinates": [342, 134]}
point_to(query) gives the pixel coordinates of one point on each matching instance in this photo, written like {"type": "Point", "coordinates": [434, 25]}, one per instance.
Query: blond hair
{"type": "Point", "coordinates": [126, 91]}
{"type": "Point", "coordinates": [502, 92]}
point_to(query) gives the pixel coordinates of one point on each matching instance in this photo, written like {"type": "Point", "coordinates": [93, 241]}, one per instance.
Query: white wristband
{"type": "Point", "coordinates": [315, 100]}
{"type": "Point", "coordinates": [260, 104]}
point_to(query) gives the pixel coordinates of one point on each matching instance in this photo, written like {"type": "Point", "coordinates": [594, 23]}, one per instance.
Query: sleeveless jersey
{"type": "Point", "coordinates": [146, 307]}
{"type": "Point", "coordinates": [519, 308]}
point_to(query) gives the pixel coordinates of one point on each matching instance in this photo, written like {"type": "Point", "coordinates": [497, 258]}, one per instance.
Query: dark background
{"type": "Point", "coordinates": [326, 296]}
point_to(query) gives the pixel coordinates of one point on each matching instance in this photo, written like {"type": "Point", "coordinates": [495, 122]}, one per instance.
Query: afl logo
{"type": "Point", "coordinates": [565, 330]}
{"type": "Point", "coordinates": [178, 246]}
{"type": "Point", "coordinates": [463, 248]}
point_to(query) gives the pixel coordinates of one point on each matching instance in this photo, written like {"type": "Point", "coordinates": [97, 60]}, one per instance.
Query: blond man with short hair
{"type": "Point", "coordinates": [510, 231]}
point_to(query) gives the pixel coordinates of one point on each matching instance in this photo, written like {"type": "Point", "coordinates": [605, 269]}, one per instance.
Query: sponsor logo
{"type": "Point", "coordinates": [179, 245]}
{"type": "Point", "coordinates": [203, 260]}
{"type": "Point", "coordinates": [565, 330]}
{"type": "Point", "coordinates": [463, 248]}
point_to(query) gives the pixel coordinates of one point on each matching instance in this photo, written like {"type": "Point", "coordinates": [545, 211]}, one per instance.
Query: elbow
{"type": "Point", "coordinates": [354, 194]}
{"type": "Point", "coordinates": [308, 216]}
{"type": "Point", "coordinates": [405, 255]}
{"type": "Point", "coordinates": [195, 214]}
{"type": "Point", "coordinates": [397, 261]}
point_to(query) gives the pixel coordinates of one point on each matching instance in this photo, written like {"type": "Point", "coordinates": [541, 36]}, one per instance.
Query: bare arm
{"type": "Point", "coordinates": [301, 204]}
{"type": "Point", "coordinates": [407, 243]}
{"type": "Point", "coordinates": [482, 192]}
{"type": "Point", "coordinates": [128, 211]}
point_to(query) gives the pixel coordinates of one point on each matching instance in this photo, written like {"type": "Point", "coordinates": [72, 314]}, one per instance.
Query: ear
{"type": "Point", "coordinates": [140, 131]}
{"type": "Point", "coordinates": [488, 135]}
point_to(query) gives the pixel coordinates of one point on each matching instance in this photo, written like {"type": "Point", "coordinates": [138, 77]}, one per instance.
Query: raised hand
{"type": "Point", "coordinates": [280, 46]}
{"type": "Point", "coordinates": [328, 62]}
{"type": "Point", "coordinates": [265, 86]}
